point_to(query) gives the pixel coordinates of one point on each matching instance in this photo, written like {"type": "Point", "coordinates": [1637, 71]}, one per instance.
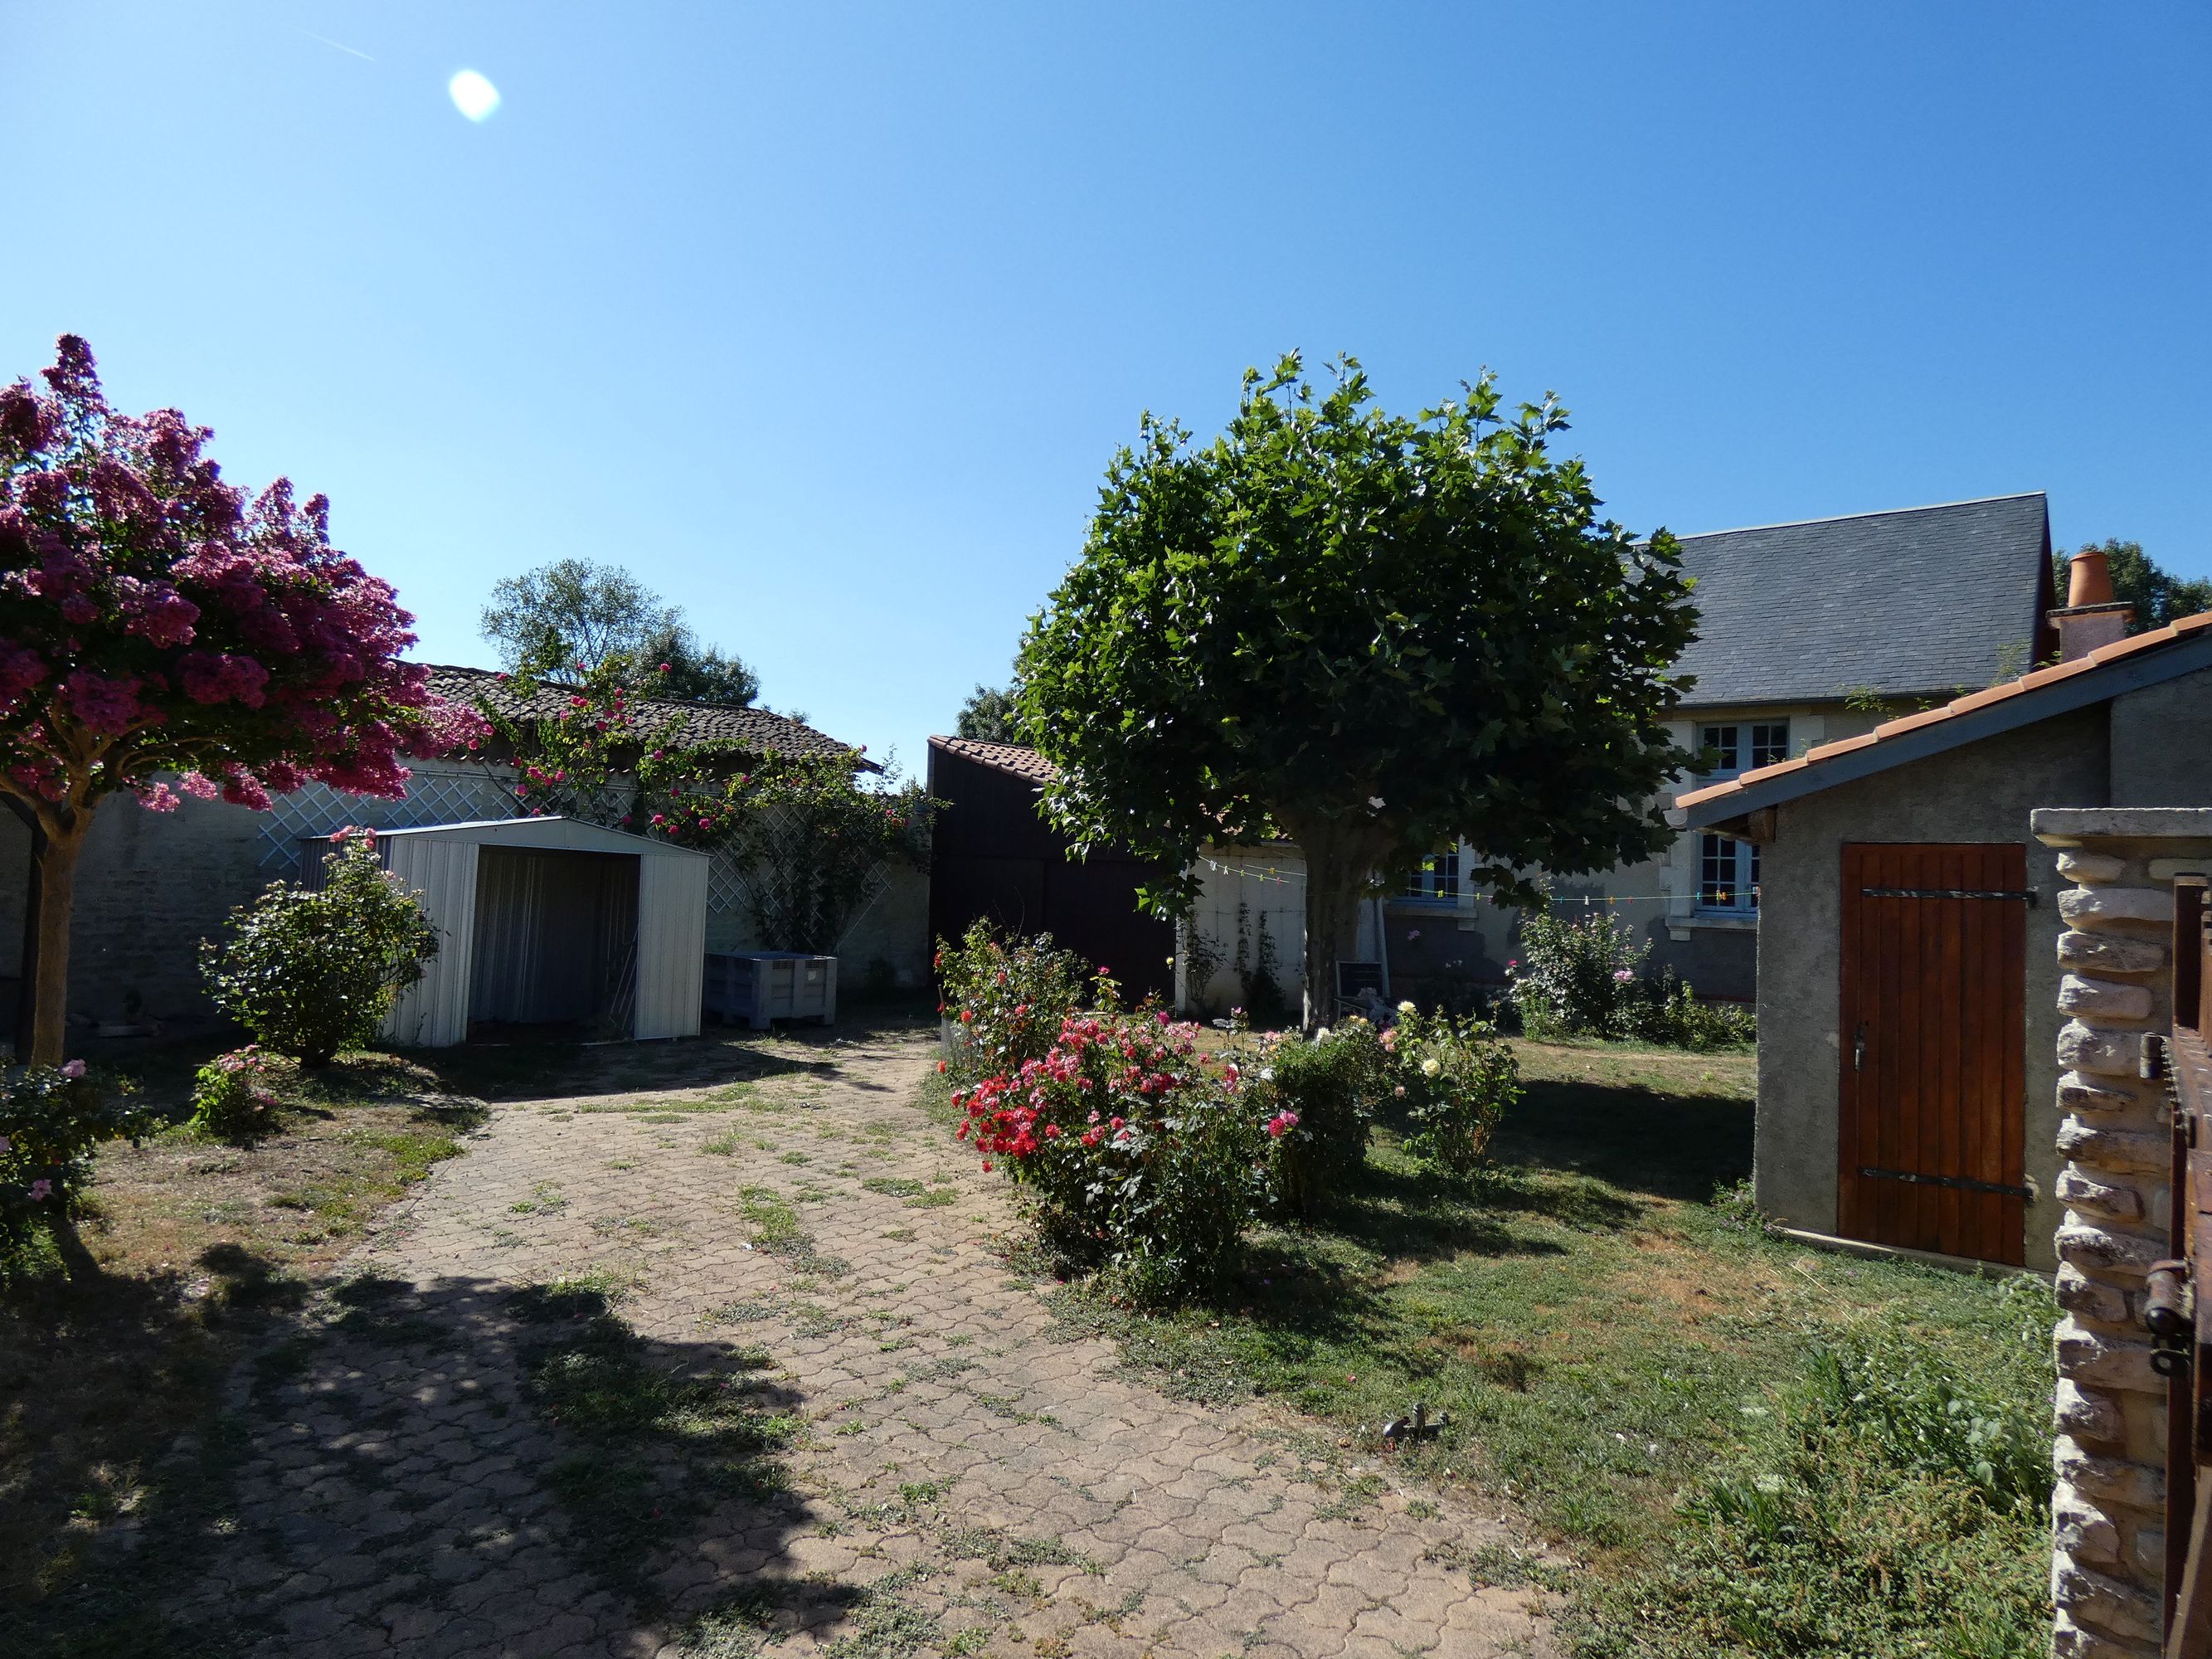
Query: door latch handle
{"type": "Point", "coordinates": [1858, 1050]}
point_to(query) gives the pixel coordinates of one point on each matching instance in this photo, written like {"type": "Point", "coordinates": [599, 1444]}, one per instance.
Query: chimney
{"type": "Point", "coordinates": [2092, 617]}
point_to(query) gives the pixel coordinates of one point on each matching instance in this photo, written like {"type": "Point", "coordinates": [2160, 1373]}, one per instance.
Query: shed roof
{"type": "Point", "coordinates": [1012, 757]}
{"type": "Point", "coordinates": [759, 730]}
{"type": "Point", "coordinates": [2180, 647]}
{"type": "Point", "coordinates": [564, 834]}
{"type": "Point", "coordinates": [1907, 603]}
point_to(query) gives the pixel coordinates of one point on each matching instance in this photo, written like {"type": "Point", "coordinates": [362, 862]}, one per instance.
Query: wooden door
{"type": "Point", "coordinates": [1933, 1122]}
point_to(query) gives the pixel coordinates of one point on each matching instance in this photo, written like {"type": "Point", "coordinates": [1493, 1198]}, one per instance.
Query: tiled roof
{"type": "Point", "coordinates": [1911, 603]}
{"type": "Point", "coordinates": [1013, 757]}
{"type": "Point", "coordinates": [756, 729]}
{"type": "Point", "coordinates": [1812, 760]}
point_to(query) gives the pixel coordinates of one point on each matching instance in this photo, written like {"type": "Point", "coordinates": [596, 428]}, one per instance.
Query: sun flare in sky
{"type": "Point", "coordinates": [473, 95]}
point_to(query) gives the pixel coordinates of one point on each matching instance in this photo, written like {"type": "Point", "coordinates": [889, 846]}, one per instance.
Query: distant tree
{"type": "Point", "coordinates": [990, 715]}
{"type": "Point", "coordinates": [1374, 633]}
{"type": "Point", "coordinates": [547, 620]}
{"type": "Point", "coordinates": [2158, 595]}
{"type": "Point", "coordinates": [156, 624]}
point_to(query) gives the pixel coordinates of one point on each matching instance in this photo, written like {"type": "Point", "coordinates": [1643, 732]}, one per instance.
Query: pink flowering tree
{"type": "Point", "coordinates": [160, 630]}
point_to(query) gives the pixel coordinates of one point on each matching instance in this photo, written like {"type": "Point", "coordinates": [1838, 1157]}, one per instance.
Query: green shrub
{"type": "Point", "coordinates": [231, 1096]}
{"type": "Point", "coordinates": [1458, 1081]}
{"type": "Point", "coordinates": [1664, 1010]}
{"type": "Point", "coordinates": [1574, 978]}
{"type": "Point", "coordinates": [310, 971]}
{"type": "Point", "coordinates": [50, 1121]}
{"type": "Point", "coordinates": [1588, 978]}
{"type": "Point", "coordinates": [1004, 1001]}
{"type": "Point", "coordinates": [1333, 1083]}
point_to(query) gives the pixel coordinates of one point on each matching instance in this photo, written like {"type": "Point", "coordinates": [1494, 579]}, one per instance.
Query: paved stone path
{"type": "Point", "coordinates": [957, 1477]}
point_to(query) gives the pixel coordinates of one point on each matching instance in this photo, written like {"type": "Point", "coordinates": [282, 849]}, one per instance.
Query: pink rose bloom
{"type": "Point", "coordinates": [41, 1189]}
{"type": "Point", "coordinates": [74, 1069]}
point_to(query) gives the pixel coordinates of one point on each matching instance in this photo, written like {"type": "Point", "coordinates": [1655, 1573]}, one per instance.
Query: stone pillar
{"type": "Point", "coordinates": [2114, 983]}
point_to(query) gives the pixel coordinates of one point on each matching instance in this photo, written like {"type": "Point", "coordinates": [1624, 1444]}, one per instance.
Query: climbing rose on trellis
{"type": "Point", "coordinates": [157, 622]}
{"type": "Point", "coordinates": [813, 832]}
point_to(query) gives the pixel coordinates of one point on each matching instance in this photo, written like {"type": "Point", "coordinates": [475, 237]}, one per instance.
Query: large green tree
{"type": "Point", "coordinates": [991, 715]}
{"type": "Point", "coordinates": [2158, 595]}
{"type": "Point", "coordinates": [1373, 633]}
{"type": "Point", "coordinates": [572, 614]}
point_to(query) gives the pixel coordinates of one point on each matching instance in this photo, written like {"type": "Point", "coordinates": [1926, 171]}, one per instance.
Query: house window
{"type": "Point", "coordinates": [1741, 748]}
{"type": "Point", "coordinates": [1436, 878]}
{"type": "Point", "coordinates": [1728, 875]}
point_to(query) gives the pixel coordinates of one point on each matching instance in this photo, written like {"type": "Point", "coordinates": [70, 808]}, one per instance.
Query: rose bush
{"type": "Point", "coordinates": [1331, 1086]}
{"type": "Point", "coordinates": [51, 1119]}
{"type": "Point", "coordinates": [1455, 1081]}
{"type": "Point", "coordinates": [232, 1099]}
{"type": "Point", "coordinates": [1005, 1000]}
{"type": "Point", "coordinates": [1137, 1159]}
{"type": "Point", "coordinates": [311, 970]}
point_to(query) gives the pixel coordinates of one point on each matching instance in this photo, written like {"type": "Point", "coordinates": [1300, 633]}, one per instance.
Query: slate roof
{"type": "Point", "coordinates": [1923, 600]}
{"type": "Point", "coordinates": [1815, 768]}
{"type": "Point", "coordinates": [756, 729]}
{"type": "Point", "coordinates": [1012, 757]}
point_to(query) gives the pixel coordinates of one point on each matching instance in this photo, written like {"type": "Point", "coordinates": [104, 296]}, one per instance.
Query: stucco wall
{"type": "Point", "coordinates": [1982, 793]}
{"type": "Point", "coordinates": [2150, 728]}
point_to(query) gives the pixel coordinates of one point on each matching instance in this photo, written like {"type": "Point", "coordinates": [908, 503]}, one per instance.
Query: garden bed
{"type": "Point", "coordinates": [1630, 1359]}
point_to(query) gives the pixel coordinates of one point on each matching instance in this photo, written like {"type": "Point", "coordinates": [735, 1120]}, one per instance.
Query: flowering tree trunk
{"type": "Point", "coordinates": [39, 1039]}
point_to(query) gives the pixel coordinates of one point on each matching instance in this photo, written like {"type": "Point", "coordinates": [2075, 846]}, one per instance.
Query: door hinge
{"type": "Point", "coordinates": [1962, 1183]}
{"type": "Point", "coordinates": [2027, 893]}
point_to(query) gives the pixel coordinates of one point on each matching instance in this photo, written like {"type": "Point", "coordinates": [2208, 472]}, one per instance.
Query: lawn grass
{"type": "Point", "coordinates": [1746, 1447]}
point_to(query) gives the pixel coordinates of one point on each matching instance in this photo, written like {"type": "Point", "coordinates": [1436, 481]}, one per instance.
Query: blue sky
{"type": "Point", "coordinates": [826, 319]}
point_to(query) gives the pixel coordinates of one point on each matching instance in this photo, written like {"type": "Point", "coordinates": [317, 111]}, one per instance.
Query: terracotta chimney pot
{"type": "Point", "coordinates": [2089, 579]}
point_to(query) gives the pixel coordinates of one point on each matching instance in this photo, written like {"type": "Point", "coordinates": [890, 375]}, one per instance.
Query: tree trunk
{"type": "Point", "coordinates": [53, 877]}
{"type": "Point", "coordinates": [26, 984]}
{"type": "Point", "coordinates": [1339, 863]}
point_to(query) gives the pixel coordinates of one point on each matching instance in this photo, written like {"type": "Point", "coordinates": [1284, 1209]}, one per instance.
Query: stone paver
{"type": "Point", "coordinates": [966, 1481]}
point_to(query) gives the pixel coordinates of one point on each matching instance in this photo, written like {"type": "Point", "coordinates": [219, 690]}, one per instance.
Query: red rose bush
{"type": "Point", "coordinates": [1137, 1160]}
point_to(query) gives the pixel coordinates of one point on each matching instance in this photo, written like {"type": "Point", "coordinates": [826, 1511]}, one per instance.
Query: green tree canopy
{"type": "Point", "coordinates": [991, 715]}
{"type": "Point", "coordinates": [1373, 633]}
{"type": "Point", "coordinates": [2159, 596]}
{"type": "Point", "coordinates": [547, 620]}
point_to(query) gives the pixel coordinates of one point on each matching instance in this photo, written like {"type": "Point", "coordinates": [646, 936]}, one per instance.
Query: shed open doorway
{"type": "Point", "coordinates": [555, 942]}
{"type": "Point", "coordinates": [548, 921]}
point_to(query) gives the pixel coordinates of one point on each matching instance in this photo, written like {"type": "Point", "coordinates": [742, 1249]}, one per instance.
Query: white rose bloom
{"type": "Point", "coordinates": [1407, 1007]}
{"type": "Point", "coordinates": [1429, 1068]}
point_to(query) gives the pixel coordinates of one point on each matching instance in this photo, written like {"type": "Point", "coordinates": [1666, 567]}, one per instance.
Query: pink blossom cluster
{"type": "Point", "coordinates": [155, 620]}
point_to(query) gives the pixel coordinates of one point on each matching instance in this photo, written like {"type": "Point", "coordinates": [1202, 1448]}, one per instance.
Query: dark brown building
{"type": "Point", "coordinates": [993, 856]}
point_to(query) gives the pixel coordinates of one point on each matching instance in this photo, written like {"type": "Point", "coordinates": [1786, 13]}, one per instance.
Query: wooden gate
{"type": "Point", "coordinates": [1933, 1120]}
{"type": "Point", "coordinates": [2178, 1297]}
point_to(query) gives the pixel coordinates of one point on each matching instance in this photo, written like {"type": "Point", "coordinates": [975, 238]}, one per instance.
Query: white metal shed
{"type": "Point", "coordinates": [544, 921]}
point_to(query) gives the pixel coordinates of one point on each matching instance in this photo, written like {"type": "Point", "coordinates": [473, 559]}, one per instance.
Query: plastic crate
{"type": "Point", "coordinates": [756, 986]}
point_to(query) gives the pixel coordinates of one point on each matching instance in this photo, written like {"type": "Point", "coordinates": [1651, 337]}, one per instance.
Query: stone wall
{"type": "Point", "coordinates": [2115, 978]}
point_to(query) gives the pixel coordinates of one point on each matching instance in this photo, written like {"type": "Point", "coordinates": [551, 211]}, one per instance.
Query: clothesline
{"type": "Point", "coordinates": [1274, 877]}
